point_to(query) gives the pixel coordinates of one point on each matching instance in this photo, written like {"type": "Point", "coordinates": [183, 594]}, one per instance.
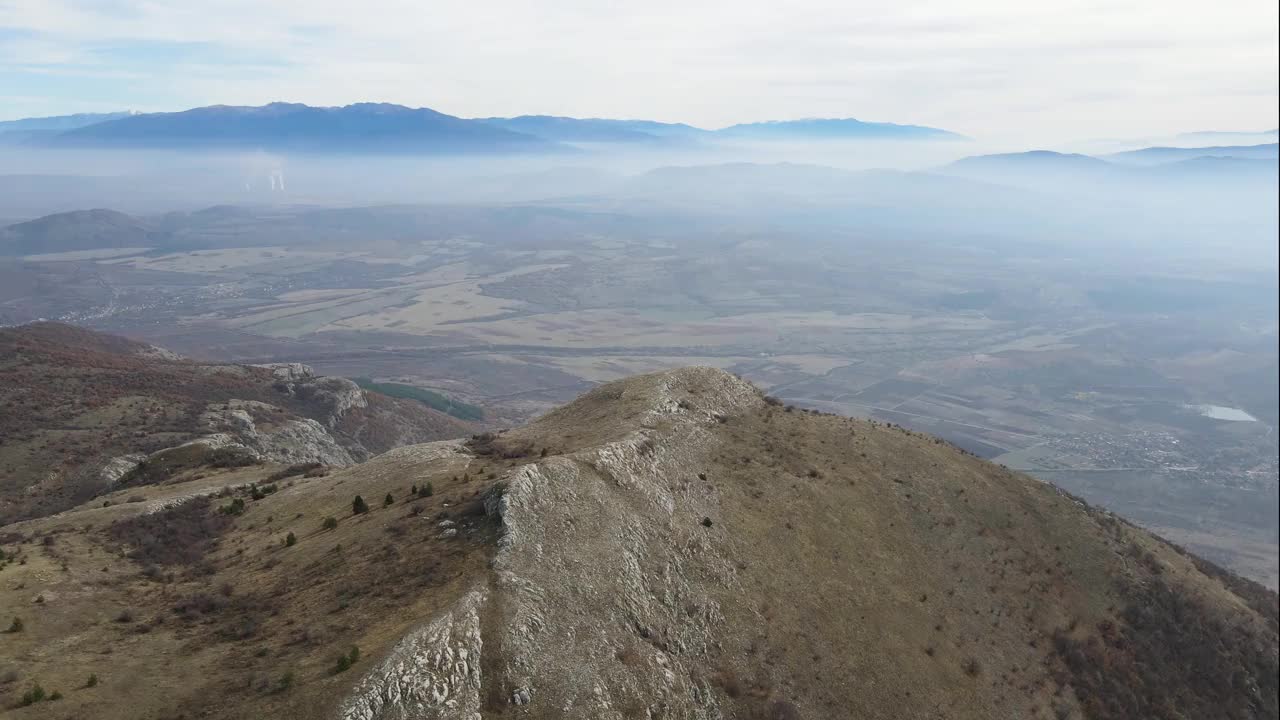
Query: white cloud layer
{"type": "Point", "coordinates": [1047, 69]}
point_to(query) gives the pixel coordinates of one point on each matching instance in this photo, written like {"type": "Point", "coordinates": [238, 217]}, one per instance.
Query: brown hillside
{"type": "Point", "coordinates": [670, 546]}
{"type": "Point", "coordinates": [72, 399]}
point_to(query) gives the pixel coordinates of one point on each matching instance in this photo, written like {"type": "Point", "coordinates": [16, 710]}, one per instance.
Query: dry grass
{"type": "Point", "coordinates": [872, 572]}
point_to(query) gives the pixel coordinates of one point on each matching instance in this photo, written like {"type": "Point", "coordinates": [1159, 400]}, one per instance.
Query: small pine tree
{"type": "Point", "coordinates": [16, 626]}
{"type": "Point", "coordinates": [354, 655]}
{"type": "Point", "coordinates": [388, 501]}
{"type": "Point", "coordinates": [359, 506]}
{"type": "Point", "coordinates": [92, 681]}
{"type": "Point", "coordinates": [342, 665]}
{"type": "Point", "coordinates": [426, 490]}
{"type": "Point", "coordinates": [413, 489]}
{"type": "Point", "coordinates": [330, 523]}
{"type": "Point", "coordinates": [290, 540]}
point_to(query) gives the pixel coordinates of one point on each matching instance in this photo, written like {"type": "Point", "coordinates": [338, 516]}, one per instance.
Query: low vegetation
{"type": "Point", "coordinates": [430, 398]}
{"type": "Point", "coordinates": [180, 536]}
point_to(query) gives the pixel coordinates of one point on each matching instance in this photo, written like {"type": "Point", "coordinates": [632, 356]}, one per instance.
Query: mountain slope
{"type": "Point", "coordinates": [598, 130]}
{"type": "Point", "coordinates": [82, 413]}
{"type": "Point", "coordinates": [59, 122]}
{"type": "Point", "coordinates": [569, 129]}
{"type": "Point", "coordinates": [673, 545]}
{"type": "Point", "coordinates": [363, 127]}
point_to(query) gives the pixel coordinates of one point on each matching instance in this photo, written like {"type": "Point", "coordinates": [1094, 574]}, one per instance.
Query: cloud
{"type": "Point", "coordinates": [1049, 69]}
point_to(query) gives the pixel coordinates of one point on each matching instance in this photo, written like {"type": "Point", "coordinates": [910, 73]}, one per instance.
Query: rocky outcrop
{"type": "Point", "coordinates": [117, 467]}
{"type": "Point", "coordinates": [432, 672]}
{"type": "Point", "coordinates": [331, 397]}
{"type": "Point", "coordinates": [600, 604]}
{"type": "Point", "coordinates": [254, 426]}
{"type": "Point", "coordinates": [289, 372]}
{"type": "Point", "coordinates": [334, 394]}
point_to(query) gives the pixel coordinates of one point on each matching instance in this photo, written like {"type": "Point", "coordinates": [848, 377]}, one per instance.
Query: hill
{"type": "Point", "coordinates": [86, 413]}
{"type": "Point", "coordinates": [673, 545]}
{"type": "Point", "coordinates": [362, 127]}
{"type": "Point", "coordinates": [1041, 162]}
{"type": "Point", "coordinates": [76, 230]}
{"type": "Point", "coordinates": [1156, 155]}
{"type": "Point", "coordinates": [834, 129]}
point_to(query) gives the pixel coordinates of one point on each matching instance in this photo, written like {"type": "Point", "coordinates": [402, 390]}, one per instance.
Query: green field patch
{"type": "Point", "coordinates": [430, 398]}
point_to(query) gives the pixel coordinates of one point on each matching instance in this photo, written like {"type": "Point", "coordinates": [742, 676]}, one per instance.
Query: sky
{"type": "Point", "coordinates": [1036, 70]}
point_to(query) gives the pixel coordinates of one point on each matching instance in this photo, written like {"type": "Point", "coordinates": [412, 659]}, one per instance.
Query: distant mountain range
{"type": "Point", "coordinates": [1246, 163]}
{"type": "Point", "coordinates": [364, 127]}
{"type": "Point", "coordinates": [1154, 155]}
{"type": "Point", "coordinates": [381, 127]}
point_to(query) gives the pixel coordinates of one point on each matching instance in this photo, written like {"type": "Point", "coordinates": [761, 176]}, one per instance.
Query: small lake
{"type": "Point", "coordinates": [1218, 412]}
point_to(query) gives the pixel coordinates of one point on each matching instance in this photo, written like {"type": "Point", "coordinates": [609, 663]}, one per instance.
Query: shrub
{"type": "Point", "coordinates": [32, 696]}
{"type": "Point", "coordinates": [178, 536]}
{"type": "Point", "coordinates": [489, 444]}
{"type": "Point", "coordinates": [293, 471]}
{"type": "Point", "coordinates": [330, 523]}
{"type": "Point", "coordinates": [55, 696]}
{"type": "Point", "coordinates": [285, 682]}
{"type": "Point", "coordinates": [92, 681]}
{"type": "Point", "coordinates": [359, 506]}
{"type": "Point", "coordinates": [388, 501]}
{"type": "Point", "coordinates": [783, 710]}
{"type": "Point", "coordinates": [229, 457]}
{"type": "Point", "coordinates": [235, 507]}
{"type": "Point", "coordinates": [290, 540]}
{"type": "Point", "coordinates": [16, 626]}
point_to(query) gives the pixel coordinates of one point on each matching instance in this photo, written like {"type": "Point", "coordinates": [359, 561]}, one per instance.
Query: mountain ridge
{"type": "Point", "coordinates": [369, 127]}
{"type": "Point", "coordinates": [670, 545]}
{"type": "Point", "coordinates": [382, 127]}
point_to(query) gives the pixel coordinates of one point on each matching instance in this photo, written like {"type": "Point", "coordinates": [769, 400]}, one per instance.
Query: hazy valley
{"type": "Point", "coordinates": [406, 415]}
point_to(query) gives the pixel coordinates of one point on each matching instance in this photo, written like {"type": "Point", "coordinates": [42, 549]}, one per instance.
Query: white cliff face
{"type": "Point", "coordinates": [433, 672]}
{"type": "Point", "coordinates": [290, 441]}
{"type": "Point", "coordinates": [602, 602]}
{"type": "Point", "coordinates": [261, 430]}
{"type": "Point", "coordinates": [117, 467]}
